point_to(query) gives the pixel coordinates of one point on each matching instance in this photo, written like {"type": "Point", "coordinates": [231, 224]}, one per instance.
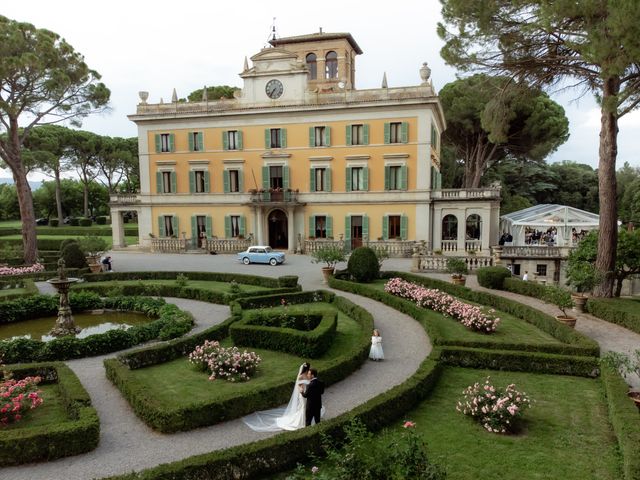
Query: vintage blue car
{"type": "Point", "coordinates": [261, 254]}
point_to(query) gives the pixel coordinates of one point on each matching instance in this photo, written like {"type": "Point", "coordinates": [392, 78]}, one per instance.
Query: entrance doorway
{"type": "Point", "coordinates": [278, 230]}
{"type": "Point", "coordinates": [356, 232]}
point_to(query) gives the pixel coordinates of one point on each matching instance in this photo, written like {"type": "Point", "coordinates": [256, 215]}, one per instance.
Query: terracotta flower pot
{"type": "Point", "coordinates": [568, 321]}
{"type": "Point", "coordinates": [458, 280]}
{"type": "Point", "coordinates": [326, 273]}
{"type": "Point", "coordinates": [579, 301]}
{"type": "Point", "coordinates": [95, 267]}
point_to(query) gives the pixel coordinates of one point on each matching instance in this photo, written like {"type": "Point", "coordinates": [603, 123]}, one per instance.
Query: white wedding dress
{"type": "Point", "coordinates": [292, 417]}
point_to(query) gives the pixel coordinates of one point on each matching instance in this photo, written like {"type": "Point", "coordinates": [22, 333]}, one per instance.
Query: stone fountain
{"type": "Point", "coordinates": [65, 324]}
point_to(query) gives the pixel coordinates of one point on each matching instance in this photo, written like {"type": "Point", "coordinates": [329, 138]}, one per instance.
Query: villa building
{"type": "Point", "coordinates": [300, 157]}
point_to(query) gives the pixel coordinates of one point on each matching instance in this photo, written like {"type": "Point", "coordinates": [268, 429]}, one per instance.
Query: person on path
{"type": "Point", "coordinates": [106, 264]}
{"type": "Point", "coordinates": [376, 353]}
{"type": "Point", "coordinates": [313, 394]}
{"type": "Point", "coordinates": [525, 277]}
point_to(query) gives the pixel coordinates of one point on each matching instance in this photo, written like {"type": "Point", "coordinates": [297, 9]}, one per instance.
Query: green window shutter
{"type": "Point", "coordinates": [190, 138]}
{"type": "Point", "coordinates": [172, 142]}
{"type": "Point", "coordinates": [327, 136]}
{"type": "Point", "coordinates": [175, 223]}
{"type": "Point", "coordinates": [240, 181]}
{"type": "Point", "coordinates": [242, 226]}
{"type": "Point", "coordinates": [192, 181]}
{"type": "Point", "coordinates": [365, 227]}
{"type": "Point", "coordinates": [348, 179]}
{"type": "Point", "coordinates": [387, 133]}
{"type": "Point", "coordinates": [200, 138]}
{"type": "Point", "coordinates": [283, 138]}
{"type": "Point", "coordinates": [329, 226]}
{"type": "Point", "coordinates": [403, 177]}
{"type": "Point", "coordinates": [439, 185]}
{"type": "Point", "coordinates": [348, 134]}
{"type": "Point", "coordinates": [265, 177]}
{"type": "Point", "coordinates": [405, 132]}
{"type": "Point", "coordinates": [158, 182]}
{"type": "Point", "coordinates": [327, 179]}
{"type": "Point", "coordinates": [404, 227]}
{"type": "Point", "coordinates": [285, 176]}
{"type": "Point", "coordinates": [207, 182]}
{"type": "Point", "coordinates": [174, 183]}
{"type": "Point", "coordinates": [385, 227]}
{"type": "Point", "coordinates": [226, 181]}
{"type": "Point", "coordinates": [312, 136]}
{"type": "Point", "coordinates": [387, 176]}
{"type": "Point", "coordinates": [194, 227]}
{"type": "Point", "coordinates": [158, 143]}
{"type": "Point", "coordinates": [365, 178]}
{"type": "Point", "coordinates": [312, 226]}
{"type": "Point", "coordinates": [347, 230]}
{"type": "Point", "coordinates": [366, 134]}
{"type": "Point", "coordinates": [312, 180]}
{"type": "Point", "coordinates": [433, 178]}
{"type": "Point", "coordinates": [161, 226]}
{"type": "Point", "coordinates": [225, 140]}
{"type": "Point", "coordinates": [227, 226]}
{"type": "Point", "coordinates": [209, 226]}
{"type": "Point", "coordinates": [240, 141]}
{"type": "Point", "coordinates": [267, 138]}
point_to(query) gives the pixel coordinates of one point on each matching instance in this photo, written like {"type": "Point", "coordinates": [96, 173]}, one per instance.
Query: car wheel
{"type": "Point", "coordinates": [246, 260]}
{"type": "Point", "coordinates": [273, 262]}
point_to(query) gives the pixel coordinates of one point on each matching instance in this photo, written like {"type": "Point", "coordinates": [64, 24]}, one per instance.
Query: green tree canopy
{"type": "Point", "coordinates": [490, 119]}
{"type": "Point", "coordinates": [42, 80]}
{"type": "Point", "coordinates": [213, 93]}
{"type": "Point", "coordinates": [590, 44]}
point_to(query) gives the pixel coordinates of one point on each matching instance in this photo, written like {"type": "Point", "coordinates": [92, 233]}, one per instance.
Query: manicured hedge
{"type": "Point", "coordinates": [27, 284]}
{"type": "Point", "coordinates": [79, 434]}
{"type": "Point", "coordinates": [609, 309]}
{"type": "Point", "coordinates": [625, 421]}
{"type": "Point", "coordinates": [492, 277]}
{"type": "Point", "coordinates": [43, 243]}
{"type": "Point", "coordinates": [171, 322]}
{"type": "Point", "coordinates": [284, 451]}
{"type": "Point", "coordinates": [211, 412]}
{"type": "Point", "coordinates": [251, 332]}
{"type": "Point", "coordinates": [80, 232]}
{"type": "Point", "coordinates": [529, 289]}
{"type": "Point", "coordinates": [45, 275]}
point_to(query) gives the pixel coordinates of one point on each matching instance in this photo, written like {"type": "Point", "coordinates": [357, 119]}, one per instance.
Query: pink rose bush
{"type": "Point", "coordinates": [226, 363]}
{"type": "Point", "coordinates": [17, 397]}
{"type": "Point", "coordinates": [35, 268]}
{"type": "Point", "coordinates": [470, 316]}
{"type": "Point", "coordinates": [497, 410]}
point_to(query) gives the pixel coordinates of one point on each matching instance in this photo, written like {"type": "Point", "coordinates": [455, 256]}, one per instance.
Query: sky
{"type": "Point", "coordinates": [157, 46]}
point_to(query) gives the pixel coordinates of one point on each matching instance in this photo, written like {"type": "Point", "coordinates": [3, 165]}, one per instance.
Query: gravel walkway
{"type": "Point", "coordinates": [127, 444]}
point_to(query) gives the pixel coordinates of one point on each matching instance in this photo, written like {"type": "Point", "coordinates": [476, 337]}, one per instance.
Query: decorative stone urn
{"type": "Point", "coordinates": [579, 301]}
{"type": "Point", "coordinates": [65, 325]}
{"type": "Point", "coordinates": [326, 273]}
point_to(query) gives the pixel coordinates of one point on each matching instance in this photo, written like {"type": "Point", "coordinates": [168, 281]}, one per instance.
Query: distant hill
{"type": "Point", "coordinates": [34, 185]}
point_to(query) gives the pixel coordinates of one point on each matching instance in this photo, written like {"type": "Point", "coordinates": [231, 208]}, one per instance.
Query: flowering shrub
{"type": "Point", "coordinates": [227, 363]}
{"type": "Point", "coordinates": [470, 316]}
{"type": "Point", "coordinates": [17, 396]}
{"type": "Point", "coordinates": [497, 410]}
{"type": "Point", "coordinates": [36, 267]}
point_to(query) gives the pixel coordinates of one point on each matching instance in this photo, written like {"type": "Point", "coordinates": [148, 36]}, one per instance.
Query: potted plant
{"type": "Point", "coordinates": [626, 365]}
{"type": "Point", "coordinates": [458, 269]}
{"type": "Point", "coordinates": [562, 299]}
{"type": "Point", "coordinates": [330, 255]}
{"type": "Point", "coordinates": [437, 252]}
{"type": "Point", "coordinates": [583, 276]}
{"type": "Point", "coordinates": [93, 246]}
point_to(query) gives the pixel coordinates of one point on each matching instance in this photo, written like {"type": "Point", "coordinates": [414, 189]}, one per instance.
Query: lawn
{"type": "Point", "coordinates": [177, 383]}
{"type": "Point", "coordinates": [62, 236]}
{"type": "Point", "coordinates": [12, 291]}
{"type": "Point", "coordinates": [203, 284]}
{"type": "Point", "coordinates": [566, 433]}
{"type": "Point", "coordinates": [51, 411]}
{"type": "Point", "coordinates": [510, 329]}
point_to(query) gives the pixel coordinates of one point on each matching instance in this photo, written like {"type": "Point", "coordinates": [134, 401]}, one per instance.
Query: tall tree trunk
{"type": "Point", "coordinates": [85, 184]}
{"type": "Point", "coordinates": [619, 286]}
{"type": "Point", "coordinates": [608, 234]}
{"type": "Point", "coordinates": [58, 196]}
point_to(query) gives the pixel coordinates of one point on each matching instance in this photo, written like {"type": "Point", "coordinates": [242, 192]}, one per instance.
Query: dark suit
{"type": "Point", "coordinates": [313, 394]}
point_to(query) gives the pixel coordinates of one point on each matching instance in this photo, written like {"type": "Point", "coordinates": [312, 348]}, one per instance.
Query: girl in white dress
{"type": "Point", "coordinates": [290, 418]}
{"type": "Point", "coordinates": [376, 352]}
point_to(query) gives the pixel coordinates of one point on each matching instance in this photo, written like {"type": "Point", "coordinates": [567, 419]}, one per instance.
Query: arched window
{"type": "Point", "coordinates": [331, 65]}
{"type": "Point", "coordinates": [473, 227]}
{"type": "Point", "coordinates": [312, 66]}
{"type": "Point", "coordinates": [450, 228]}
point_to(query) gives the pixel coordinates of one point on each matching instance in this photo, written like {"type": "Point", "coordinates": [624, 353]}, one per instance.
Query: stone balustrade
{"type": "Point", "coordinates": [465, 193]}
{"type": "Point", "coordinates": [170, 245]}
{"type": "Point", "coordinates": [395, 248]}
{"type": "Point", "coordinates": [532, 251]}
{"type": "Point", "coordinates": [438, 263]}
{"type": "Point", "coordinates": [228, 245]}
{"type": "Point", "coordinates": [124, 199]}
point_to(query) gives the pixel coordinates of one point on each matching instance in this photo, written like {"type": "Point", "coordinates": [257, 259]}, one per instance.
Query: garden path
{"type": "Point", "coordinates": [127, 444]}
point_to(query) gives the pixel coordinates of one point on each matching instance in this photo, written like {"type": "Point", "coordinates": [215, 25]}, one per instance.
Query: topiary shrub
{"type": "Point", "coordinates": [288, 281]}
{"type": "Point", "coordinates": [74, 222]}
{"type": "Point", "coordinates": [53, 222]}
{"type": "Point", "coordinates": [101, 220]}
{"type": "Point", "coordinates": [65, 242]}
{"type": "Point", "coordinates": [85, 222]}
{"type": "Point", "coordinates": [492, 277]}
{"type": "Point", "coordinates": [73, 256]}
{"type": "Point", "coordinates": [363, 265]}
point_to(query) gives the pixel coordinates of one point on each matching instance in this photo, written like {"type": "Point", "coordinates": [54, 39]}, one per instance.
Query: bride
{"type": "Point", "coordinates": [290, 418]}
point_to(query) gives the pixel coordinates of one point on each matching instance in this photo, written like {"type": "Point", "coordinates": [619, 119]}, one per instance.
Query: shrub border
{"type": "Point", "coordinates": [80, 434]}
{"type": "Point", "coordinates": [29, 286]}
{"type": "Point", "coordinates": [600, 308]}
{"type": "Point", "coordinates": [212, 412]}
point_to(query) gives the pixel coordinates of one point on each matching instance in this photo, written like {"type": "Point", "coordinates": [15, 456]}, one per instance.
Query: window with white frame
{"type": "Point", "coordinates": [200, 182]}
{"type": "Point", "coordinates": [168, 226]}
{"type": "Point", "coordinates": [320, 175]}
{"type": "Point", "coordinates": [165, 142]}
{"type": "Point", "coordinates": [234, 180]}
{"type": "Point", "coordinates": [233, 140]}
{"type": "Point", "coordinates": [357, 178]}
{"type": "Point", "coordinates": [319, 136]}
{"type": "Point", "coordinates": [395, 177]}
{"type": "Point", "coordinates": [166, 182]}
{"type": "Point", "coordinates": [395, 132]}
{"type": "Point", "coordinates": [276, 138]}
{"type": "Point", "coordinates": [357, 135]}
{"type": "Point", "coordinates": [394, 226]}
{"type": "Point", "coordinates": [321, 226]}
{"type": "Point", "coordinates": [235, 225]}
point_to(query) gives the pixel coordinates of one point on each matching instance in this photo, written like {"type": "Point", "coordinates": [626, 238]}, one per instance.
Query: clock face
{"type": "Point", "coordinates": [274, 88]}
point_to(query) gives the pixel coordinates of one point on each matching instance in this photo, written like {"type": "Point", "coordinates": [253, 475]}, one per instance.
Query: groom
{"type": "Point", "coordinates": [313, 394]}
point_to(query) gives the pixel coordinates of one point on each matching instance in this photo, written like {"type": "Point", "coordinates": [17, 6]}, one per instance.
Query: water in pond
{"type": "Point", "coordinates": [38, 328]}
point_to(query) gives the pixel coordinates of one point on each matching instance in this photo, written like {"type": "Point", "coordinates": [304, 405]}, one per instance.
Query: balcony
{"type": "Point", "coordinates": [274, 196]}
{"type": "Point", "coordinates": [466, 194]}
{"type": "Point", "coordinates": [533, 251]}
{"type": "Point", "coordinates": [123, 199]}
